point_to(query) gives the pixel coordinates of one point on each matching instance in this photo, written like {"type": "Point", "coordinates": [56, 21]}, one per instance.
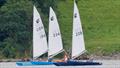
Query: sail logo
{"type": "Point", "coordinates": [52, 18]}
{"type": "Point", "coordinates": [37, 21]}
{"type": "Point", "coordinates": [75, 15]}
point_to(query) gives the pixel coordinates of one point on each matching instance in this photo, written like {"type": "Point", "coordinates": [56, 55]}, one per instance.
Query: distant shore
{"type": "Point", "coordinates": [9, 60]}
{"type": "Point", "coordinates": [112, 57]}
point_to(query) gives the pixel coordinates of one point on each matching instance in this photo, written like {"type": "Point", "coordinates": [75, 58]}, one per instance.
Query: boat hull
{"type": "Point", "coordinates": [42, 63]}
{"type": "Point", "coordinates": [32, 63]}
{"type": "Point", "coordinates": [76, 63]}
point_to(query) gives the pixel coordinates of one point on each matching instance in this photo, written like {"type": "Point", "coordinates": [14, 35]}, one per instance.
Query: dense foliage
{"type": "Point", "coordinates": [16, 26]}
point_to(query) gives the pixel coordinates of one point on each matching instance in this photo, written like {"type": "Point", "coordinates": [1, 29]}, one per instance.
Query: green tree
{"type": "Point", "coordinates": [45, 4]}
{"type": "Point", "coordinates": [2, 2]}
{"type": "Point", "coordinates": [15, 24]}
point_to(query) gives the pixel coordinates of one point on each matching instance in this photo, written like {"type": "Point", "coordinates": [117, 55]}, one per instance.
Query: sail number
{"type": "Point", "coordinates": [39, 28]}
{"type": "Point", "coordinates": [56, 34]}
{"type": "Point", "coordinates": [78, 33]}
{"type": "Point", "coordinates": [42, 36]}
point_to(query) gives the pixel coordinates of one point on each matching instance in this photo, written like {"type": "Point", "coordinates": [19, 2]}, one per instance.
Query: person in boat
{"type": "Point", "coordinates": [25, 59]}
{"type": "Point", "coordinates": [50, 59]}
{"type": "Point", "coordinates": [65, 59]}
{"type": "Point", "coordinates": [66, 56]}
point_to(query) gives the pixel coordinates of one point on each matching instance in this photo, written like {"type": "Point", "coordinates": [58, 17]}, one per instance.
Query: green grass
{"type": "Point", "coordinates": [100, 22]}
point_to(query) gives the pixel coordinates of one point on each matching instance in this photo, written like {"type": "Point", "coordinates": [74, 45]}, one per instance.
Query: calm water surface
{"type": "Point", "coordinates": [105, 64]}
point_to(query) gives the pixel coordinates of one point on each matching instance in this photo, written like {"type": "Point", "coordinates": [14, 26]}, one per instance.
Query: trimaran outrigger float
{"type": "Point", "coordinates": [55, 45]}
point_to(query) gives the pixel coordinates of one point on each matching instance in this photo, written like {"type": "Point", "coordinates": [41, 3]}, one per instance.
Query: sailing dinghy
{"type": "Point", "coordinates": [39, 37]}
{"type": "Point", "coordinates": [55, 45]}
{"type": "Point", "coordinates": [39, 41]}
{"type": "Point", "coordinates": [78, 45]}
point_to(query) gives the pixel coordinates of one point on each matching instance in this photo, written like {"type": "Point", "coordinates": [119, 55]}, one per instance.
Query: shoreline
{"type": "Point", "coordinates": [94, 57]}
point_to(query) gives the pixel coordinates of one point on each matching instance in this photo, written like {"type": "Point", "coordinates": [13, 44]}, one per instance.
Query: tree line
{"type": "Point", "coordinates": [16, 25]}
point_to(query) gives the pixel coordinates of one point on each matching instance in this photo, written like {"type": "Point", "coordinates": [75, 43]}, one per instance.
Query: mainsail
{"type": "Point", "coordinates": [39, 36]}
{"type": "Point", "coordinates": [78, 45]}
{"type": "Point", "coordinates": [54, 38]}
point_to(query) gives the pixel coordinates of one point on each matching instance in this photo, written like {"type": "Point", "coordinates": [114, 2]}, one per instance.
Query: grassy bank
{"type": "Point", "coordinates": [100, 21]}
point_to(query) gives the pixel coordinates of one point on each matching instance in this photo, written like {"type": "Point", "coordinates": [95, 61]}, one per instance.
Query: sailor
{"type": "Point", "coordinates": [25, 59]}
{"type": "Point", "coordinates": [50, 59]}
{"type": "Point", "coordinates": [66, 57]}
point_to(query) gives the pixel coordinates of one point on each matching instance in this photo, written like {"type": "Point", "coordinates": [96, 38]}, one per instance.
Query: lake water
{"type": "Point", "coordinates": [105, 64]}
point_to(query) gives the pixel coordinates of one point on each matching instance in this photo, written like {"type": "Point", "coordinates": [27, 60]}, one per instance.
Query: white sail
{"type": "Point", "coordinates": [54, 41]}
{"type": "Point", "coordinates": [78, 45]}
{"type": "Point", "coordinates": [39, 36]}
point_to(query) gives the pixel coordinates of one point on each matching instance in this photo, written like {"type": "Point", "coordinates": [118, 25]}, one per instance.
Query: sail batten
{"type": "Point", "coordinates": [78, 45]}
{"type": "Point", "coordinates": [39, 36]}
{"type": "Point", "coordinates": [54, 38]}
